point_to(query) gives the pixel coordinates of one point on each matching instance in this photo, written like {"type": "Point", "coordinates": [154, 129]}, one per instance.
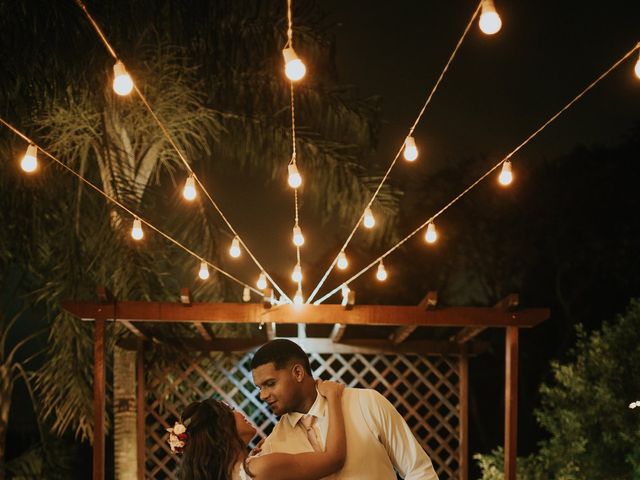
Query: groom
{"type": "Point", "coordinates": [378, 438]}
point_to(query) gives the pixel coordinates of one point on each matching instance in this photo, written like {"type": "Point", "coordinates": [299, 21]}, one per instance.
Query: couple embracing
{"type": "Point", "coordinates": [325, 430]}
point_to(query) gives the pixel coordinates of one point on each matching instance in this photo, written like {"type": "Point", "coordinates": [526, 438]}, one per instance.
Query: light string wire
{"type": "Point", "coordinates": [124, 207]}
{"type": "Point", "coordinates": [167, 135]}
{"type": "Point", "coordinates": [487, 173]}
{"type": "Point", "coordinates": [395, 159]}
{"type": "Point", "coordinates": [294, 157]}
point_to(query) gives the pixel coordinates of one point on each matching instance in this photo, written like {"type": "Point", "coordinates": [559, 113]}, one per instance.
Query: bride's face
{"type": "Point", "coordinates": [246, 430]}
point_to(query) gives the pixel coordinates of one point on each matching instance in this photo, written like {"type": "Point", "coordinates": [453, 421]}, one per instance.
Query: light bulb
{"type": "Point", "coordinates": [295, 180]}
{"type": "Point", "coordinates": [189, 191]}
{"type": "Point", "coordinates": [490, 21]}
{"type": "Point", "coordinates": [234, 250]}
{"type": "Point", "coordinates": [29, 162]}
{"type": "Point", "coordinates": [136, 230]}
{"type": "Point", "coordinates": [298, 300]}
{"type": "Point", "coordinates": [506, 175]}
{"type": "Point", "coordinates": [637, 68]}
{"type": "Point", "coordinates": [262, 282]}
{"type": "Point", "coordinates": [122, 83]}
{"type": "Point", "coordinates": [431, 235]}
{"type": "Point", "coordinates": [342, 260]}
{"type": "Point", "coordinates": [204, 271]}
{"type": "Point", "coordinates": [410, 149]}
{"type": "Point", "coordinates": [298, 238]}
{"type": "Point", "coordinates": [246, 294]}
{"type": "Point", "coordinates": [294, 69]}
{"type": "Point", "coordinates": [296, 275]}
{"type": "Point", "coordinates": [381, 274]}
{"type": "Point", "coordinates": [369, 221]}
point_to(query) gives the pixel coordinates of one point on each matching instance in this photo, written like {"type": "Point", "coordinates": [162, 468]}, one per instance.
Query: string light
{"type": "Point", "coordinates": [203, 273]}
{"type": "Point", "coordinates": [431, 235]}
{"type": "Point", "coordinates": [410, 149]}
{"type": "Point", "coordinates": [295, 180]}
{"type": "Point", "coordinates": [294, 68]}
{"type": "Point", "coordinates": [189, 191]}
{"type": "Point", "coordinates": [298, 300]}
{"type": "Point", "coordinates": [262, 282]}
{"type": "Point", "coordinates": [343, 263]}
{"type": "Point", "coordinates": [637, 68]}
{"type": "Point", "coordinates": [381, 274]}
{"type": "Point", "coordinates": [122, 82]}
{"type": "Point", "coordinates": [506, 174]}
{"type": "Point", "coordinates": [490, 21]}
{"type": "Point", "coordinates": [369, 220]}
{"type": "Point", "coordinates": [298, 238]}
{"type": "Point", "coordinates": [234, 250]}
{"type": "Point", "coordinates": [296, 275]}
{"type": "Point", "coordinates": [29, 162]}
{"type": "Point", "coordinates": [136, 230]}
{"type": "Point", "coordinates": [246, 294]}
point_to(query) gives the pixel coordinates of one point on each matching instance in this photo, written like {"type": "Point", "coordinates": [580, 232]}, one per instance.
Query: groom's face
{"type": "Point", "coordinates": [281, 388]}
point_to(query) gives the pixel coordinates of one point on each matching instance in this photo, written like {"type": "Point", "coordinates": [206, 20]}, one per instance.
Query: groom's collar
{"type": "Point", "coordinates": [318, 409]}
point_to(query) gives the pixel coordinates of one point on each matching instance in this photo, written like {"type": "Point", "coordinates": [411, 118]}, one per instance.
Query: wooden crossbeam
{"type": "Point", "coordinates": [507, 304]}
{"type": "Point", "coordinates": [337, 332]}
{"type": "Point", "coordinates": [135, 330]}
{"type": "Point", "coordinates": [163, 312]}
{"type": "Point", "coordinates": [400, 334]}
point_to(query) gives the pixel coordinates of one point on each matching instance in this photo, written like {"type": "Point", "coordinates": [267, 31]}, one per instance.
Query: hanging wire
{"type": "Point", "coordinates": [167, 135]}
{"type": "Point", "coordinates": [125, 208]}
{"type": "Point", "coordinates": [395, 159]}
{"type": "Point", "coordinates": [487, 173]}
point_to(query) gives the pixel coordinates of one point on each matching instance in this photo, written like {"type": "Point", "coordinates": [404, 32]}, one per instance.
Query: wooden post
{"type": "Point", "coordinates": [464, 416]}
{"type": "Point", "coordinates": [99, 398]}
{"type": "Point", "coordinates": [140, 408]}
{"type": "Point", "coordinates": [511, 403]}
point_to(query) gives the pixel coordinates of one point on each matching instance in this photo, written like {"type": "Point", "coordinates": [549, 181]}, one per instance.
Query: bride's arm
{"type": "Point", "coordinates": [312, 465]}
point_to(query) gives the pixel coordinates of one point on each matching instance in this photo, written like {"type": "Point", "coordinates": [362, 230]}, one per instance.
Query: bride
{"type": "Point", "coordinates": [213, 439]}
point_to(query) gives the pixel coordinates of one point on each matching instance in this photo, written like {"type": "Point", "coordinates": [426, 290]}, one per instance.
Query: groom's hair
{"type": "Point", "coordinates": [282, 353]}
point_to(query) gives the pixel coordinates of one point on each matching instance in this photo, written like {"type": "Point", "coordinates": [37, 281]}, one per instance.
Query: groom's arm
{"type": "Point", "coordinates": [406, 454]}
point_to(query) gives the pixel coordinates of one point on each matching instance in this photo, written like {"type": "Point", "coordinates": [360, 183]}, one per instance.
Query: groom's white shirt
{"type": "Point", "coordinates": [378, 439]}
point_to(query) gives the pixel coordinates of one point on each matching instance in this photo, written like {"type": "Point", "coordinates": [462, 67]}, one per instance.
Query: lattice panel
{"type": "Point", "coordinates": [425, 390]}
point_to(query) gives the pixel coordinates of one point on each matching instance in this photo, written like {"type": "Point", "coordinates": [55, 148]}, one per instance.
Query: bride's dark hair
{"type": "Point", "coordinates": [213, 446]}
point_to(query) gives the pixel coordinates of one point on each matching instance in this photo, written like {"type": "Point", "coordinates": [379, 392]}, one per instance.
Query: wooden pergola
{"type": "Point", "coordinates": [423, 329]}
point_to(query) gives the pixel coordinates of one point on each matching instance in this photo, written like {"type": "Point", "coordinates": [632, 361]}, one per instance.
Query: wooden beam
{"type": "Point", "coordinates": [337, 332]}
{"type": "Point", "coordinates": [140, 409]}
{"type": "Point", "coordinates": [464, 416]}
{"type": "Point", "coordinates": [99, 388]}
{"type": "Point", "coordinates": [400, 334]}
{"type": "Point", "coordinates": [322, 314]}
{"type": "Point", "coordinates": [507, 304]}
{"type": "Point", "coordinates": [135, 330]}
{"type": "Point", "coordinates": [511, 403]}
{"type": "Point", "coordinates": [203, 330]}
{"type": "Point", "coordinates": [199, 344]}
{"type": "Point", "coordinates": [269, 330]}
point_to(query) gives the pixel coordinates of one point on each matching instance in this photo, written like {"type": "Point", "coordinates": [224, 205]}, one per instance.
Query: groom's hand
{"type": "Point", "coordinates": [257, 449]}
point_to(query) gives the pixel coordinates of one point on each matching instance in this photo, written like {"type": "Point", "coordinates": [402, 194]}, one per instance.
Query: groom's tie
{"type": "Point", "coordinates": [308, 422]}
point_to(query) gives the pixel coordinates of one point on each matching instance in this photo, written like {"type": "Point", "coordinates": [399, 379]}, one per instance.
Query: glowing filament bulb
{"type": "Point", "coordinates": [189, 191]}
{"type": "Point", "coordinates": [506, 175]}
{"type": "Point", "coordinates": [295, 180]}
{"type": "Point", "coordinates": [136, 230]}
{"type": "Point", "coordinates": [369, 221]}
{"type": "Point", "coordinates": [203, 273]}
{"type": "Point", "coordinates": [410, 149]}
{"type": "Point", "coordinates": [262, 282]}
{"type": "Point", "coordinates": [29, 162]}
{"type": "Point", "coordinates": [296, 275]}
{"type": "Point", "coordinates": [637, 68]}
{"type": "Point", "coordinates": [381, 274]}
{"type": "Point", "coordinates": [431, 235]}
{"type": "Point", "coordinates": [294, 69]}
{"type": "Point", "coordinates": [246, 294]}
{"type": "Point", "coordinates": [490, 22]}
{"type": "Point", "coordinates": [297, 300]}
{"type": "Point", "coordinates": [234, 249]}
{"type": "Point", "coordinates": [122, 83]}
{"type": "Point", "coordinates": [298, 238]}
{"type": "Point", "coordinates": [342, 260]}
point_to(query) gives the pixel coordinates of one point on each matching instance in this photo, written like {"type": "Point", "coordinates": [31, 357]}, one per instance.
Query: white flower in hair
{"type": "Point", "coordinates": [177, 436]}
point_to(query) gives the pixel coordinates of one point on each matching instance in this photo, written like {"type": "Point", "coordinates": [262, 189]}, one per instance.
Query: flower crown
{"type": "Point", "coordinates": [177, 437]}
